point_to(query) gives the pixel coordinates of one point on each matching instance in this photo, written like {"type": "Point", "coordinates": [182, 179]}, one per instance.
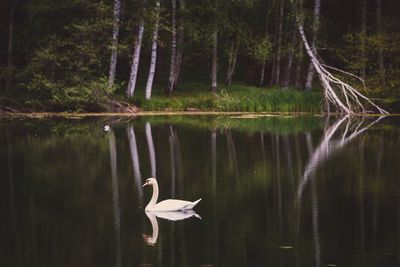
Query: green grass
{"type": "Point", "coordinates": [240, 98]}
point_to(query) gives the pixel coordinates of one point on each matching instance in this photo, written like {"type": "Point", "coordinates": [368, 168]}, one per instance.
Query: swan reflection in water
{"type": "Point", "coordinates": [167, 215]}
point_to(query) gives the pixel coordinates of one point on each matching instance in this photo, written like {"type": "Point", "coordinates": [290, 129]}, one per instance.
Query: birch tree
{"type": "Point", "coordinates": [299, 64]}
{"type": "Point", "coordinates": [288, 70]}
{"type": "Point", "coordinates": [114, 44]}
{"type": "Point", "coordinates": [214, 61]}
{"type": "Point", "coordinates": [279, 42]}
{"type": "Point", "coordinates": [233, 53]}
{"type": "Point", "coordinates": [153, 60]}
{"type": "Point", "coordinates": [180, 41]}
{"type": "Point", "coordinates": [315, 28]}
{"type": "Point", "coordinates": [264, 62]}
{"type": "Point", "coordinates": [130, 90]}
{"type": "Point", "coordinates": [172, 68]}
{"type": "Point", "coordinates": [342, 96]}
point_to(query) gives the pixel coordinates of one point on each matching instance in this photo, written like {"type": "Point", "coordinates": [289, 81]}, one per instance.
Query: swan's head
{"type": "Point", "coordinates": [150, 181]}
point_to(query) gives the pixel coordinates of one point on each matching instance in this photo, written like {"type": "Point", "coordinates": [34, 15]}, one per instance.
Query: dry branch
{"type": "Point", "coordinates": [342, 96]}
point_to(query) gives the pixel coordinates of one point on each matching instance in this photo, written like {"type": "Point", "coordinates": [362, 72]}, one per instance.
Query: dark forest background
{"type": "Point", "coordinates": [59, 50]}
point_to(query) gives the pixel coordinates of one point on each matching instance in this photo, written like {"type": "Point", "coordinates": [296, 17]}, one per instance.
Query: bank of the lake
{"type": "Point", "coordinates": [191, 97]}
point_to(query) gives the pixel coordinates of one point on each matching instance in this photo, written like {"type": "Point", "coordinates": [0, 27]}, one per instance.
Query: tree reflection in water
{"type": "Point", "coordinates": [334, 139]}
{"type": "Point", "coordinates": [64, 192]}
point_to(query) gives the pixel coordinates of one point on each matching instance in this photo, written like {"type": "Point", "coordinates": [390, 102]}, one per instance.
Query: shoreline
{"type": "Point", "coordinates": [177, 113]}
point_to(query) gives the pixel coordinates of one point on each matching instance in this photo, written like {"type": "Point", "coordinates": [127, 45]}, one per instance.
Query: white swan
{"type": "Point", "coordinates": [169, 204]}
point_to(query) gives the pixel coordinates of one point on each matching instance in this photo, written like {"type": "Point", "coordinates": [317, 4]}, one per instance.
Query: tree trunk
{"type": "Point", "coordinates": [114, 45]}
{"type": "Point", "coordinates": [135, 59]}
{"type": "Point", "coordinates": [232, 60]}
{"type": "Point", "coordinates": [315, 28]}
{"type": "Point", "coordinates": [153, 61]}
{"type": "Point", "coordinates": [181, 35]}
{"type": "Point", "coordinates": [336, 92]}
{"type": "Point", "coordinates": [299, 63]}
{"type": "Point", "coordinates": [230, 56]}
{"type": "Point", "coordinates": [279, 49]}
{"type": "Point", "coordinates": [172, 70]}
{"type": "Point", "coordinates": [379, 32]}
{"type": "Point", "coordinates": [273, 68]}
{"type": "Point", "coordinates": [264, 63]}
{"type": "Point", "coordinates": [262, 74]}
{"type": "Point", "coordinates": [288, 71]}
{"type": "Point", "coordinates": [214, 62]}
{"type": "Point", "coordinates": [363, 36]}
{"type": "Point", "coordinates": [10, 46]}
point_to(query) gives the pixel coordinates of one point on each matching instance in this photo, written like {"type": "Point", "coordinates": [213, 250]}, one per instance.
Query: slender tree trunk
{"type": "Point", "coordinates": [379, 32]}
{"type": "Point", "coordinates": [299, 66]}
{"type": "Point", "coordinates": [181, 38]}
{"type": "Point", "coordinates": [230, 56]}
{"type": "Point", "coordinates": [172, 70]}
{"type": "Point", "coordinates": [264, 63]}
{"type": "Point", "coordinates": [10, 46]}
{"type": "Point", "coordinates": [315, 28]}
{"type": "Point", "coordinates": [288, 71]}
{"type": "Point", "coordinates": [363, 36]}
{"type": "Point", "coordinates": [232, 60]}
{"type": "Point", "coordinates": [274, 59]}
{"type": "Point", "coordinates": [135, 59]}
{"type": "Point", "coordinates": [153, 61]}
{"type": "Point", "coordinates": [279, 48]}
{"type": "Point", "coordinates": [114, 45]}
{"type": "Point", "coordinates": [214, 62]}
{"type": "Point", "coordinates": [262, 74]}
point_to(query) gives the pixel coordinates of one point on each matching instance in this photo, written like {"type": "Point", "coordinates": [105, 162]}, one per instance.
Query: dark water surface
{"type": "Point", "coordinates": [285, 191]}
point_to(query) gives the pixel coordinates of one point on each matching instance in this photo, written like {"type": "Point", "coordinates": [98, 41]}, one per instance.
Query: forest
{"type": "Point", "coordinates": [237, 55]}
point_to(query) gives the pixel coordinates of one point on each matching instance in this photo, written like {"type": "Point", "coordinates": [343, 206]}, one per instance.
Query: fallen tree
{"type": "Point", "coordinates": [339, 95]}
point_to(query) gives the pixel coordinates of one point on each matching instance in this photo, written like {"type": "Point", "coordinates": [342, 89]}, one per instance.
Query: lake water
{"type": "Point", "coordinates": [276, 191]}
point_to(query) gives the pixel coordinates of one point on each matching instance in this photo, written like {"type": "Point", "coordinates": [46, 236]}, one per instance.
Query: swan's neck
{"type": "Point", "coordinates": [154, 197]}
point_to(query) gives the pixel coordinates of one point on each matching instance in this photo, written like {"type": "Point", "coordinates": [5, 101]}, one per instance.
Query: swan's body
{"type": "Point", "coordinates": [169, 204]}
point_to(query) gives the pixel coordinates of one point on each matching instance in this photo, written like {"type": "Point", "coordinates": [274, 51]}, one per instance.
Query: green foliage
{"type": "Point", "coordinates": [66, 71]}
{"type": "Point", "coordinates": [62, 49]}
{"type": "Point", "coordinates": [363, 50]}
{"type": "Point", "coordinates": [260, 49]}
{"type": "Point", "coordinates": [84, 96]}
